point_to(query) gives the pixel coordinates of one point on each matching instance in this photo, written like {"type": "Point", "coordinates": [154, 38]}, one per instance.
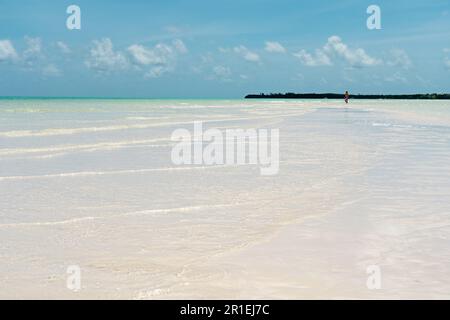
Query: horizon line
{"type": "Point", "coordinates": [214, 98]}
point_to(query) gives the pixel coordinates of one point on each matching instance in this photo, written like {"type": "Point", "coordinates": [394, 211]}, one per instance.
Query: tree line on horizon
{"type": "Point", "coordinates": [291, 95]}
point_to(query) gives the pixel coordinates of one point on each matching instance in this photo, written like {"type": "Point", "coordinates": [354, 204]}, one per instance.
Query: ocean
{"type": "Point", "coordinates": [92, 183]}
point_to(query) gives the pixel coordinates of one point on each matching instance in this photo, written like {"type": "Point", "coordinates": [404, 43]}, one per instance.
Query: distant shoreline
{"type": "Point", "coordinates": [418, 96]}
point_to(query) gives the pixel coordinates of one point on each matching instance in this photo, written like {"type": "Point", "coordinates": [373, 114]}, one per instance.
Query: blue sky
{"type": "Point", "coordinates": [222, 49]}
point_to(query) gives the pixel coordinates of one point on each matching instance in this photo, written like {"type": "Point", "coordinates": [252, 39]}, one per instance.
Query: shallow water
{"type": "Point", "coordinates": [91, 183]}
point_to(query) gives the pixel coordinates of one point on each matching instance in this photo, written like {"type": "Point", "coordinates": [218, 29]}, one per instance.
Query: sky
{"type": "Point", "coordinates": [222, 48]}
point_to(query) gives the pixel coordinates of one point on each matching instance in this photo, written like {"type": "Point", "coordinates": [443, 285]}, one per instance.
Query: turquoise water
{"type": "Point", "coordinates": [48, 105]}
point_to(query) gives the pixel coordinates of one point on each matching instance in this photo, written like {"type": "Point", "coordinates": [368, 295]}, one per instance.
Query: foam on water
{"type": "Point", "coordinates": [112, 172]}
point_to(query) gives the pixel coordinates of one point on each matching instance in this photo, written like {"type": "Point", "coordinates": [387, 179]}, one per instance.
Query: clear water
{"type": "Point", "coordinates": [91, 183]}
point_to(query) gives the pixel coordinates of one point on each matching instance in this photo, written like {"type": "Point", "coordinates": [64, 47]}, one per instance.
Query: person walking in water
{"type": "Point", "coordinates": [346, 96]}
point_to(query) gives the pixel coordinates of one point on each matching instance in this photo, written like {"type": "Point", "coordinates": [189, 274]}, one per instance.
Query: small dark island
{"type": "Point", "coordinates": [290, 95]}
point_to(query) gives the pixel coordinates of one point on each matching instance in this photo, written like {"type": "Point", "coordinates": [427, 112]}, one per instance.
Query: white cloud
{"type": "Point", "coordinates": [7, 51]}
{"type": "Point", "coordinates": [246, 54]}
{"type": "Point", "coordinates": [180, 46]}
{"type": "Point", "coordinates": [447, 62]}
{"type": "Point", "coordinates": [32, 56]}
{"type": "Point", "coordinates": [355, 57]}
{"type": "Point", "coordinates": [318, 59]}
{"type": "Point", "coordinates": [63, 47]}
{"type": "Point", "coordinates": [275, 47]}
{"type": "Point", "coordinates": [34, 48]}
{"type": "Point", "coordinates": [157, 60]}
{"type": "Point", "coordinates": [144, 56]}
{"type": "Point", "coordinates": [222, 72]}
{"type": "Point", "coordinates": [335, 48]}
{"type": "Point", "coordinates": [219, 72]}
{"type": "Point", "coordinates": [103, 58]}
{"type": "Point", "coordinates": [207, 58]}
{"type": "Point", "coordinates": [155, 72]}
{"type": "Point", "coordinates": [446, 59]}
{"type": "Point", "coordinates": [31, 59]}
{"type": "Point", "coordinates": [151, 61]}
{"type": "Point", "coordinates": [51, 70]}
{"type": "Point", "coordinates": [399, 58]}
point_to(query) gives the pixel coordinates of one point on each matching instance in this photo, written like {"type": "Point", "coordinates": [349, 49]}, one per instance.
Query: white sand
{"type": "Point", "coordinates": [91, 183]}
